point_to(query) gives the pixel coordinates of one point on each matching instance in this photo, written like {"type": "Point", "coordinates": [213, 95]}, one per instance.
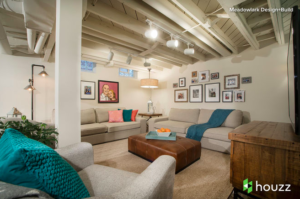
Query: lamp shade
{"type": "Point", "coordinates": [29, 88]}
{"type": "Point", "coordinates": [149, 83]}
{"type": "Point", "coordinates": [43, 73]}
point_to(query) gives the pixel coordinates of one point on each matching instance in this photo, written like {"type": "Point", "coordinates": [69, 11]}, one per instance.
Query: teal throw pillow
{"type": "Point", "coordinates": [29, 163]}
{"type": "Point", "coordinates": [127, 115]}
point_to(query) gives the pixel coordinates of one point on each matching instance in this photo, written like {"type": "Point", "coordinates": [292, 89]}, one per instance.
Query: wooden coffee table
{"type": "Point", "coordinates": [185, 151]}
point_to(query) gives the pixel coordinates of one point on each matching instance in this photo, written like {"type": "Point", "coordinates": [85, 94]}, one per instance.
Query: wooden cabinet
{"type": "Point", "coordinates": [266, 153]}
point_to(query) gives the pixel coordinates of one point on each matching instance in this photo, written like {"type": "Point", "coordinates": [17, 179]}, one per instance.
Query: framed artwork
{"type": "Point", "coordinates": [239, 96]}
{"type": "Point", "coordinates": [87, 90]}
{"type": "Point", "coordinates": [196, 93]}
{"type": "Point", "coordinates": [227, 96]}
{"type": "Point", "coordinates": [108, 92]}
{"type": "Point", "coordinates": [232, 81]}
{"type": "Point", "coordinates": [194, 80]}
{"type": "Point", "coordinates": [246, 80]}
{"type": "Point", "coordinates": [182, 82]}
{"type": "Point", "coordinates": [175, 85]}
{"type": "Point", "coordinates": [204, 76]}
{"type": "Point", "coordinates": [194, 74]}
{"type": "Point", "coordinates": [214, 76]}
{"type": "Point", "coordinates": [181, 95]}
{"type": "Point", "coordinates": [212, 92]}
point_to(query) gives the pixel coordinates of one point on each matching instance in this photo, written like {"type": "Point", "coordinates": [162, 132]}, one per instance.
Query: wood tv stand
{"type": "Point", "coordinates": [266, 152]}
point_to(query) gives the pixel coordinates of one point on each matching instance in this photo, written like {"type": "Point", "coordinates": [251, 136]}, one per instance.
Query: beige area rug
{"type": "Point", "coordinates": [207, 178]}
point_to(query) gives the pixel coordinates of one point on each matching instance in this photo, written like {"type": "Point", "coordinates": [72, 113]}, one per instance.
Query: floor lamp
{"type": "Point", "coordinates": [30, 87]}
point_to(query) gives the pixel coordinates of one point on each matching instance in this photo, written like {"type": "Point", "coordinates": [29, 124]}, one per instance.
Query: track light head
{"type": "Point", "coordinates": [129, 58]}
{"type": "Point", "coordinates": [151, 33]}
{"type": "Point", "coordinates": [173, 43]}
{"type": "Point", "coordinates": [189, 51]}
{"type": "Point", "coordinates": [110, 56]}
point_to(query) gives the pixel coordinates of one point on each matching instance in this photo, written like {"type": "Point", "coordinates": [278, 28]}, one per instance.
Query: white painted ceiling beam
{"type": "Point", "coordinates": [198, 15]}
{"type": "Point", "coordinates": [262, 29]}
{"type": "Point", "coordinates": [150, 50]}
{"type": "Point", "coordinates": [160, 19]}
{"type": "Point", "coordinates": [118, 47]}
{"type": "Point", "coordinates": [173, 13]}
{"type": "Point", "coordinates": [277, 21]}
{"type": "Point", "coordinates": [266, 37]}
{"type": "Point", "coordinates": [111, 14]}
{"type": "Point", "coordinates": [50, 44]}
{"type": "Point", "coordinates": [125, 36]}
{"type": "Point", "coordinates": [260, 18]}
{"type": "Point", "coordinates": [256, 4]}
{"type": "Point", "coordinates": [240, 22]}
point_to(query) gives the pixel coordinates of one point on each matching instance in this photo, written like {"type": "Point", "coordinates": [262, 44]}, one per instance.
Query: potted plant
{"type": "Point", "coordinates": [36, 131]}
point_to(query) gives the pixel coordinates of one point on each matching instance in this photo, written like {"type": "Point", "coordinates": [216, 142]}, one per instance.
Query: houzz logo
{"type": "Point", "coordinates": [247, 185]}
{"type": "Point", "coordinates": [277, 187]}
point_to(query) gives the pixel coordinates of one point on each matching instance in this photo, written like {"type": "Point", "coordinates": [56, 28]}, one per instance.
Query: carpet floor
{"type": "Point", "coordinates": [206, 178]}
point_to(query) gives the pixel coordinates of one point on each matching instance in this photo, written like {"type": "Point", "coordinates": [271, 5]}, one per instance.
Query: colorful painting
{"type": "Point", "coordinates": [87, 90]}
{"type": "Point", "coordinates": [108, 92]}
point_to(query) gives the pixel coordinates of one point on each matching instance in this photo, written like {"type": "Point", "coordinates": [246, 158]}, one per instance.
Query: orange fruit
{"type": "Point", "coordinates": [168, 130]}
{"type": "Point", "coordinates": [159, 131]}
{"type": "Point", "coordinates": [163, 130]}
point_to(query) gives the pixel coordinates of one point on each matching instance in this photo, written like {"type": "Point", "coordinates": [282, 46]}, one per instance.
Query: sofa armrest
{"type": "Point", "coordinates": [156, 182]}
{"type": "Point", "coordinates": [143, 124]}
{"type": "Point", "coordinates": [79, 156]}
{"type": "Point", "coordinates": [154, 120]}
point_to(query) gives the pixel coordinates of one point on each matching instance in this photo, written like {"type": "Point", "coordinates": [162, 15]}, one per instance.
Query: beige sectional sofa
{"type": "Point", "coordinates": [180, 120]}
{"type": "Point", "coordinates": [96, 129]}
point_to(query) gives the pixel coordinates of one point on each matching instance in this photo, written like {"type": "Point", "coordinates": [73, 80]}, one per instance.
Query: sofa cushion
{"type": "Point", "coordinates": [113, 127]}
{"type": "Point", "coordinates": [102, 113]}
{"type": "Point", "coordinates": [88, 116]}
{"type": "Point", "coordinates": [30, 163]}
{"type": "Point", "coordinates": [233, 120]}
{"type": "Point", "coordinates": [184, 115]}
{"type": "Point", "coordinates": [174, 126]}
{"type": "Point", "coordinates": [91, 129]}
{"type": "Point", "coordinates": [104, 181]}
{"type": "Point", "coordinates": [220, 133]}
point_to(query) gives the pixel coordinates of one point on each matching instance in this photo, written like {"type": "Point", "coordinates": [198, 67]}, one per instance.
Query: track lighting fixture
{"type": "Point", "coordinates": [173, 43]}
{"type": "Point", "coordinates": [129, 58]}
{"type": "Point", "coordinates": [147, 64]}
{"type": "Point", "coordinates": [151, 33]}
{"type": "Point", "coordinates": [189, 51]}
{"type": "Point", "coordinates": [110, 56]}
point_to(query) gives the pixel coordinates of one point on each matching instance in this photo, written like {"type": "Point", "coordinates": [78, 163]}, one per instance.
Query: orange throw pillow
{"type": "Point", "coordinates": [115, 116]}
{"type": "Point", "coordinates": [133, 115]}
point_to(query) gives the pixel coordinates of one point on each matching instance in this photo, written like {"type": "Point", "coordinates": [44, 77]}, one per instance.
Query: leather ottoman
{"type": "Point", "coordinates": [185, 151]}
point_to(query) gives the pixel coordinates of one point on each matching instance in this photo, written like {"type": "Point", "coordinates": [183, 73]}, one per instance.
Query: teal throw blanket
{"type": "Point", "coordinates": [218, 117]}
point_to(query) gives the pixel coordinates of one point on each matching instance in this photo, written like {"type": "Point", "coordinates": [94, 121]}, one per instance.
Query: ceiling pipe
{"type": "Point", "coordinates": [31, 39]}
{"type": "Point", "coordinates": [4, 45]}
{"type": "Point", "coordinates": [41, 42]}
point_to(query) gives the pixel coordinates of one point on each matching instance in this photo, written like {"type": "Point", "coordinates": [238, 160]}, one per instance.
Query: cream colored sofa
{"type": "Point", "coordinates": [96, 129]}
{"type": "Point", "coordinates": [180, 120]}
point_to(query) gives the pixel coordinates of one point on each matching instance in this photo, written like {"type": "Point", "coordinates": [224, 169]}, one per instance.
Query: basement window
{"type": "Point", "coordinates": [88, 66]}
{"type": "Point", "coordinates": [123, 72]}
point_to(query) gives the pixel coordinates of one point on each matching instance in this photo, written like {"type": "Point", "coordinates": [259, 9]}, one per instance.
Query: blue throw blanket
{"type": "Point", "coordinates": [218, 117]}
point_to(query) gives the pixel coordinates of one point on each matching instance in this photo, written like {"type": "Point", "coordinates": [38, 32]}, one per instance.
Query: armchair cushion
{"type": "Point", "coordinates": [29, 163]}
{"type": "Point", "coordinates": [113, 127]}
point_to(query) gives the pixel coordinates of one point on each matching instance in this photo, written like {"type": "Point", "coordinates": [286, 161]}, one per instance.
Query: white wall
{"type": "Point", "coordinates": [14, 74]}
{"type": "Point", "coordinates": [266, 98]}
{"type": "Point", "coordinates": [132, 96]}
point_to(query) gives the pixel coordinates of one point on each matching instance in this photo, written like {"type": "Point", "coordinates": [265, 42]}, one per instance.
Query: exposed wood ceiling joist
{"type": "Point", "coordinates": [173, 13]}
{"type": "Point", "coordinates": [277, 21]}
{"type": "Point", "coordinates": [198, 15]}
{"type": "Point", "coordinates": [262, 29]}
{"type": "Point", "coordinates": [256, 4]}
{"type": "Point", "coordinates": [50, 44]}
{"type": "Point", "coordinates": [260, 18]}
{"type": "Point", "coordinates": [150, 50]}
{"type": "Point", "coordinates": [266, 37]}
{"type": "Point", "coordinates": [109, 13]}
{"type": "Point", "coordinates": [159, 18]}
{"type": "Point", "coordinates": [241, 23]}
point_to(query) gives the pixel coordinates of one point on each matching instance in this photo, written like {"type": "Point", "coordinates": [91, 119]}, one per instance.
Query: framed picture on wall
{"type": "Point", "coordinates": [246, 80]}
{"type": "Point", "coordinates": [239, 96]}
{"type": "Point", "coordinates": [214, 76]}
{"type": "Point", "coordinates": [182, 82]}
{"type": "Point", "coordinates": [175, 85]}
{"type": "Point", "coordinates": [227, 96]}
{"type": "Point", "coordinates": [212, 92]}
{"type": "Point", "coordinates": [108, 92]}
{"type": "Point", "coordinates": [232, 81]}
{"type": "Point", "coordinates": [194, 74]}
{"type": "Point", "coordinates": [181, 95]}
{"type": "Point", "coordinates": [204, 76]}
{"type": "Point", "coordinates": [196, 93]}
{"type": "Point", "coordinates": [87, 90]}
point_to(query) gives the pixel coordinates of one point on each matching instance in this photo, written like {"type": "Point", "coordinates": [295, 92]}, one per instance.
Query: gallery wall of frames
{"type": "Point", "coordinates": [202, 89]}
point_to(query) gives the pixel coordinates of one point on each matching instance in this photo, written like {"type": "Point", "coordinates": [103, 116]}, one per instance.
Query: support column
{"type": "Point", "coordinates": [67, 71]}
